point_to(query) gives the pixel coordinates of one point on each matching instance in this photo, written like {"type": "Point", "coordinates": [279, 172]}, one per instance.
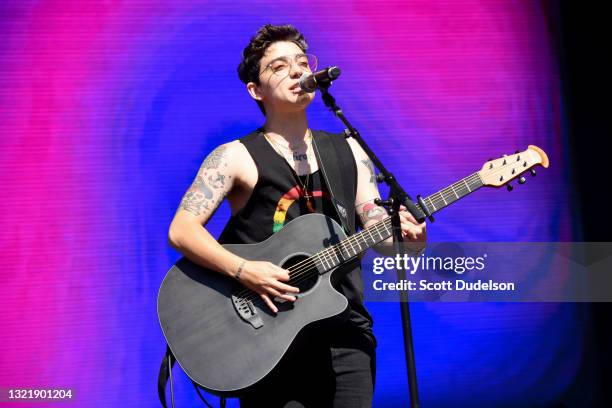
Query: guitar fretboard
{"type": "Point", "coordinates": [352, 246]}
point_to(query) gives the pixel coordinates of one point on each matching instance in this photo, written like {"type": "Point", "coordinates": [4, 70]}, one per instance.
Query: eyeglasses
{"type": "Point", "coordinates": [280, 66]}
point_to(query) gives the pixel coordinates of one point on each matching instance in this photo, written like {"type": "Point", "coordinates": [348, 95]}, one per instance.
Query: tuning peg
{"type": "Point", "coordinates": [509, 187]}
{"type": "Point", "coordinates": [521, 180]}
{"type": "Point", "coordinates": [533, 173]}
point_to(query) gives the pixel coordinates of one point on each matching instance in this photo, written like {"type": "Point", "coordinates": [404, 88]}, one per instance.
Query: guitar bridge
{"type": "Point", "coordinates": [247, 311]}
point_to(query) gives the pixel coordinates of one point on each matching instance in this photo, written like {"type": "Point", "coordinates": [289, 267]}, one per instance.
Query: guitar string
{"type": "Point", "coordinates": [495, 171]}
{"type": "Point", "coordinates": [306, 266]}
{"type": "Point", "coordinates": [437, 200]}
{"type": "Point", "coordinates": [432, 199]}
{"type": "Point", "coordinates": [326, 254]}
{"type": "Point", "coordinates": [309, 264]}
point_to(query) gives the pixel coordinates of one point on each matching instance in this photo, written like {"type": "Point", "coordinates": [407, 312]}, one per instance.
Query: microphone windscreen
{"type": "Point", "coordinates": [307, 82]}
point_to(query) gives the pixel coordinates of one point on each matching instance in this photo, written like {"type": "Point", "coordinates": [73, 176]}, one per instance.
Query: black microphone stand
{"type": "Point", "coordinates": [397, 197]}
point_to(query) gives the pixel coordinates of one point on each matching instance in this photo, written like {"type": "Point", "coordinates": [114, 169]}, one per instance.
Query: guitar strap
{"type": "Point", "coordinates": [162, 378]}
{"type": "Point", "coordinates": [339, 171]}
{"type": "Point", "coordinates": [165, 373]}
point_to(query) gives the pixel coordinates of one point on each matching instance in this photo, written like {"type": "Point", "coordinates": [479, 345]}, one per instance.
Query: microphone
{"type": "Point", "coordinates": [310, 82]}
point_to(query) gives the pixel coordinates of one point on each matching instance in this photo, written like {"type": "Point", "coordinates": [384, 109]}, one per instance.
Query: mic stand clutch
{"type": "Point", "coordinates": [397, 197]}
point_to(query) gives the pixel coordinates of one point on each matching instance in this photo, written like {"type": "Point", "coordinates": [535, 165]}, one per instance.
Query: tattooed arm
{"type": "Point", "coordinates": [367, 191]}
{"type": "Point", "coordinates": [228, 170]}
{"type": "Point", "coordinates": [212, 183]}
{"type": "Point", "coordinates": [187, 234]}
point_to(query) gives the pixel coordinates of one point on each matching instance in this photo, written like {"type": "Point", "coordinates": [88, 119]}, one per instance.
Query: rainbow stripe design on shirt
{"type": "Point", "coordinates": [287, 199]}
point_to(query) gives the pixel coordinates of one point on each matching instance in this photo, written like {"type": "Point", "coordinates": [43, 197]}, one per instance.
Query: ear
{"type": "Point", "coordinates": [254, 91]}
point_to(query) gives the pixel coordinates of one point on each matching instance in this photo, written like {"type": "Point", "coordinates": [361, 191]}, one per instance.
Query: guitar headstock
{"type": "Point", "coordinates": [500, 171]}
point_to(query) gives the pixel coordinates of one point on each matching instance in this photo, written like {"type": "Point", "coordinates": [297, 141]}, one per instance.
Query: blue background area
{"type": "Point", "coordinates": [152, 89]}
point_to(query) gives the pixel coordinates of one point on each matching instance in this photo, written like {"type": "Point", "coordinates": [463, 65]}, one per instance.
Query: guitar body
{"type": "Point", "coordinates": [215, 345]}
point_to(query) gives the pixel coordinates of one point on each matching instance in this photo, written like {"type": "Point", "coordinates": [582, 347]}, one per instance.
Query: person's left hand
{"type": "Point", "coordinates": [412, 231]}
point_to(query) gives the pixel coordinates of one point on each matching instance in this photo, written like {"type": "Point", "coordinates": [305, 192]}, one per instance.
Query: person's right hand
{"type": "Point", "coordinates": [267, 279]}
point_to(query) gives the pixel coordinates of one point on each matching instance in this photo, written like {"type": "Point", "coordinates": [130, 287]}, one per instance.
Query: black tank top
{"type": "Point", "coordinates": [278, 198]}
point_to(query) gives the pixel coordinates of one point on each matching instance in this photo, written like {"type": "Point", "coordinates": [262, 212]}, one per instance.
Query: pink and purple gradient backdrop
{"type": "Point", "coordinates": [107, 109]}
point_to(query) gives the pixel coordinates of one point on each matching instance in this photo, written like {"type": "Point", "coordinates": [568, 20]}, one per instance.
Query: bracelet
{"type": "Point", "coordinates": [239, 271]}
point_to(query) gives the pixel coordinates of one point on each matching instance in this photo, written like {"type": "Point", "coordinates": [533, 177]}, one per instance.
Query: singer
{"type": "Point", "coordinates": [270, 177]}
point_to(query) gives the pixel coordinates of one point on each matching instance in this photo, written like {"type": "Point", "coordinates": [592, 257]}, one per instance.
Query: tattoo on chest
{"type": "Point", "coordinates": [299, 156]}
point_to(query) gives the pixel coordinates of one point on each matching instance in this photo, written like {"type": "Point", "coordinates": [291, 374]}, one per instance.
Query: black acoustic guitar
{"type": "Point", "coordinates": [223, 335]}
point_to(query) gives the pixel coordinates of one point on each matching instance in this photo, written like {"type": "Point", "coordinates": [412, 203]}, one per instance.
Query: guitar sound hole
{"type": "Point", "coordinates": [304, 274]}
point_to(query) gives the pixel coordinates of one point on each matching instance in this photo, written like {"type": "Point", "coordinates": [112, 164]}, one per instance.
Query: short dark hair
{"type": "Point", "coordinates": [248, 69]}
